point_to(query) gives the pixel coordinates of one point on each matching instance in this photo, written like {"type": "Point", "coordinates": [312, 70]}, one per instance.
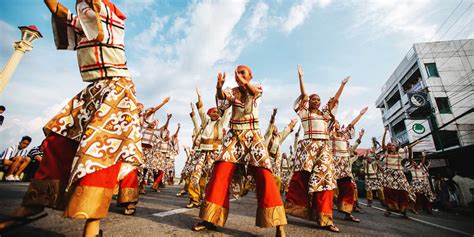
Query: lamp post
{"type": "Point", "coordinates": [28, 35]}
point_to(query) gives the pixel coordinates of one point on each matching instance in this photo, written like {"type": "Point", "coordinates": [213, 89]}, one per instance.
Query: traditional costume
{"type": "Point", "coordinates": [421, 186]}
{"type": "Point", "coordinates": [94, 141]}
{"type": "Point", "coordinates": [310, 192]}
{"type": "Point", "coordinates": [212, 133]}
{"type": "Point", "coordinates": [273, 143]}
{"type": "Point", "coordinates": [243, 145]}
{"type": "Point", "coordinates": [397, 190]}
{"type": "Point", "coordinates": [373, 178]}
{"type": "Point", "coordinates": [343, 162]}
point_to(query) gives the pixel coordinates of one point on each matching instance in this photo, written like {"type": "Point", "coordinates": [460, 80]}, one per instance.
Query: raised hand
{"type": "Point", "coordinates": [240, 78]}
{"type": "Point", "coordinates": [300, 71]}
{"type": "Point", "coordinates": [361, 133]}
{"type": "Point", "coordinates": [220, 79]}
{"type": "Point", "coordinates": [364, 110]}
{"type": "Point", "coordinates": [169, 116]}
{"type": "Point", "coordinates": [167, 99]}
{"type": "Point", "coordinates": [198, 92]}
{"type": "Point", "coordinates": [346, 80]}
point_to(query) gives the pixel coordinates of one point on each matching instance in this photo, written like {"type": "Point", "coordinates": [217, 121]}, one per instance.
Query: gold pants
{"type": "Point", "coordinates": [278, 182]}
{"type": "Point", "coordinates": [195, 193]}
{"type": "Point", "coordinates": [380, 195]}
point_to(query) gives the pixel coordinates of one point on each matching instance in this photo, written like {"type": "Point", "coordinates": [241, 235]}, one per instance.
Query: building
{"type": "Point", "coordinates": [430, 95]}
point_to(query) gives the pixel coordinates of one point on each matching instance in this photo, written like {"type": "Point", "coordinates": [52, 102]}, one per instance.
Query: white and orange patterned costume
{"type": "Point", "coordinates": [95, 139]}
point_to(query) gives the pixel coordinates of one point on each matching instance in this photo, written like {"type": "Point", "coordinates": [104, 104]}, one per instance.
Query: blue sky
{"type": "Point", "coordinates": [174, 46]}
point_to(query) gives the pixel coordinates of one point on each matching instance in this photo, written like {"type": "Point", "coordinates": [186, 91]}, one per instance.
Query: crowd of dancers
{"type": "Point", "coordinates": [103, 142]}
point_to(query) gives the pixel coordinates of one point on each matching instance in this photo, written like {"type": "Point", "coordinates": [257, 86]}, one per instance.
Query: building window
{"type": "Point", "coordinates": [443, 105]}
{"type": "Point", "coordinates": [431, 70]}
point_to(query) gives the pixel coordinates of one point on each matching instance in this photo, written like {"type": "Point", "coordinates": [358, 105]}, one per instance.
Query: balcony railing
{"type": "Point", "coordinates": [397, 106]}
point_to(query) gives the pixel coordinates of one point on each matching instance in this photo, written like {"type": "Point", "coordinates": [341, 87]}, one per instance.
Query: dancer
{"type": "Point", "coordinates": [310, 193]}
{"type": "Point", "coordinates": [343, 162]}
{"type": "Point", "coordinates": [273, 141]}
{"type": "Point", "coordinates": [162, 147]}
{"type": "Point", "coordinates": [212, 133]}
{"type": "Point", "coordinates": [397, 190]}
{"type": "Point", "coordinates": [95, 139]}
{"type": "Point", "coordinates": [373, 175]}
{"type": "Point", "coordinates": [149, 134]}
{"type": "Point", "coordinates": [421, 184]}
{"type": "Point", "coordinates": [171, 156]}
{"type": "Point", "coordinates": [242, 145]}
{"type": "Point", "coordinates": [195, 192]}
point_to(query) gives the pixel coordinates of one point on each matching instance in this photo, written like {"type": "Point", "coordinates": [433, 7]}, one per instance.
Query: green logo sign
{"type": "Point", "coordinates": [418, 128]}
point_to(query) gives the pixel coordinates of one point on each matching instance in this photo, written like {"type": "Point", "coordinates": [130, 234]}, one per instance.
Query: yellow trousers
{"type": "Point", "coordinates": [195, 193]}
{"type": "Point", "coordinates": [278, 182]}
{"type": "Point", "coordinates": [380, 195]}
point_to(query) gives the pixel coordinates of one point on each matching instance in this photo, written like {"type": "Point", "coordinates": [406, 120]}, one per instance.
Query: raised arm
{"type": "Point", "coordinates": [156, 108]}
{"type": "Point", "coordinates": [269, 130]}
{"type": "Point", "coordinates": [56, 8]}
{"type": "Point", "coordinates": [287, 130]}
{"type": "Point", "coordinates": [358, 141]}
{"type": "Point", "coordinates": [175, 135]}
{"type": "Point", "coordinates": [300, 77]}
{"type": "Point", "coordinates": [199, 106]}
{"type": "Point", "coordinates": [339, 92]}
{"type": "Point", "coordinates": [167, 121]}
{"type": "Point", "coordinates": [383, 139]}
{"type": "Point", "coordinates": [194, 119]}
{"type": "Point", "coordinates": [220, 83]}
{"type": "Point", "coordinates": [357, 118]}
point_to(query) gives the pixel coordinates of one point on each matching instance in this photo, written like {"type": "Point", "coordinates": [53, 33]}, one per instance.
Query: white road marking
{"type": "Point", "coordinates": [177, 211]}
{"type": "Point", "coordinates": [424, 222]}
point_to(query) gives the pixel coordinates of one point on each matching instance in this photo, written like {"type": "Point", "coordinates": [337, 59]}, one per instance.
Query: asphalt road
{"type": "Point", "coordinates": [163, 214]}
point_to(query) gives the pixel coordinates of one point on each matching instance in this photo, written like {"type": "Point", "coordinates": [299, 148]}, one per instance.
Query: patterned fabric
{"type": "Point", "coordinates": [373, 184]}
{"type": "Point", "coordinates": [212, 132]}
{"type": "Point", "coordinates": [395, 179]}
{"type": "Point", "coordinates": [187, 169]}
{"type": "Point", "coordinates": [204, 162]}
{"type": "Point", "coordinates": [97, 34]}
{"type": "Point", "coordinates": [423, 187]}
{"type": "Point", "coordinates": [104, 119]}
{"type": "Point", "coordinates": [315, 126]}
{"type": "Point", "coordinates": [245, 147]}
{"type": "Point", "coordinates": [244, 108]}
{"type": "Point", "coordinates": [148, 134]}
{"type": "Point", "coordinates": [273, 143]}
{"type": "Point", "coordinates": [314, 156]}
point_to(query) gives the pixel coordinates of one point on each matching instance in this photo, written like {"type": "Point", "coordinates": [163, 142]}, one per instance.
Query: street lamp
{"type": "Point", "coordinates": [28, 35]}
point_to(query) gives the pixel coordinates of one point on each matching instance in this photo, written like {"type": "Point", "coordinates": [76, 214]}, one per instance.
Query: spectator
{"type": "Point", "coordinates": [15, 159]}
{"type": "Point", "coordinates": [2, 109]}
{"type": "Point", "coordinates": [36, 155]}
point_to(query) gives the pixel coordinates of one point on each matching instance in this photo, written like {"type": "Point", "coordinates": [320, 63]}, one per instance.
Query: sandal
{"type": "Point", "coordinates": [130, 211]}
{"type": "Point", "coordinates": [332, 228]}
{"type": "Point", "coordinates": [352, 218]}
{"type": "Point", "coordinates": [203, 225]}
{"type": "Point", "coordinates": [192, 205]}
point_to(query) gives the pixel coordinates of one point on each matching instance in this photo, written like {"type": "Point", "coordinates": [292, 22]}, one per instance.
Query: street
{"type": "Point", "coordinates": [163, 214]}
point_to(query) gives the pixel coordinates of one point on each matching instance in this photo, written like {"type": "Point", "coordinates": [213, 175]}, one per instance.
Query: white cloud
{"type": "Point", "coordinates": [300, 11]}
{"type": "Point", "coordinates": [385, 17]}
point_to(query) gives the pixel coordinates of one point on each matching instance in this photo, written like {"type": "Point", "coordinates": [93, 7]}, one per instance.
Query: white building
{"type": "Point", "coordinates": [433, 85]}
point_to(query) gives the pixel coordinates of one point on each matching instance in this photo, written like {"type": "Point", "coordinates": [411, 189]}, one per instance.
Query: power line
{"type": "Point", "coordinates": [454, 23]}
{"type": "Point", "coordinates": [444, 22]}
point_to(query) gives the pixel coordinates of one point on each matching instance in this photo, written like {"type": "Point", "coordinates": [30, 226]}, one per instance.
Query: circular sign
{"type": "Point", "coordinates": [418, 100]}
{"type": "Point", "coordinates": [418, 128]}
